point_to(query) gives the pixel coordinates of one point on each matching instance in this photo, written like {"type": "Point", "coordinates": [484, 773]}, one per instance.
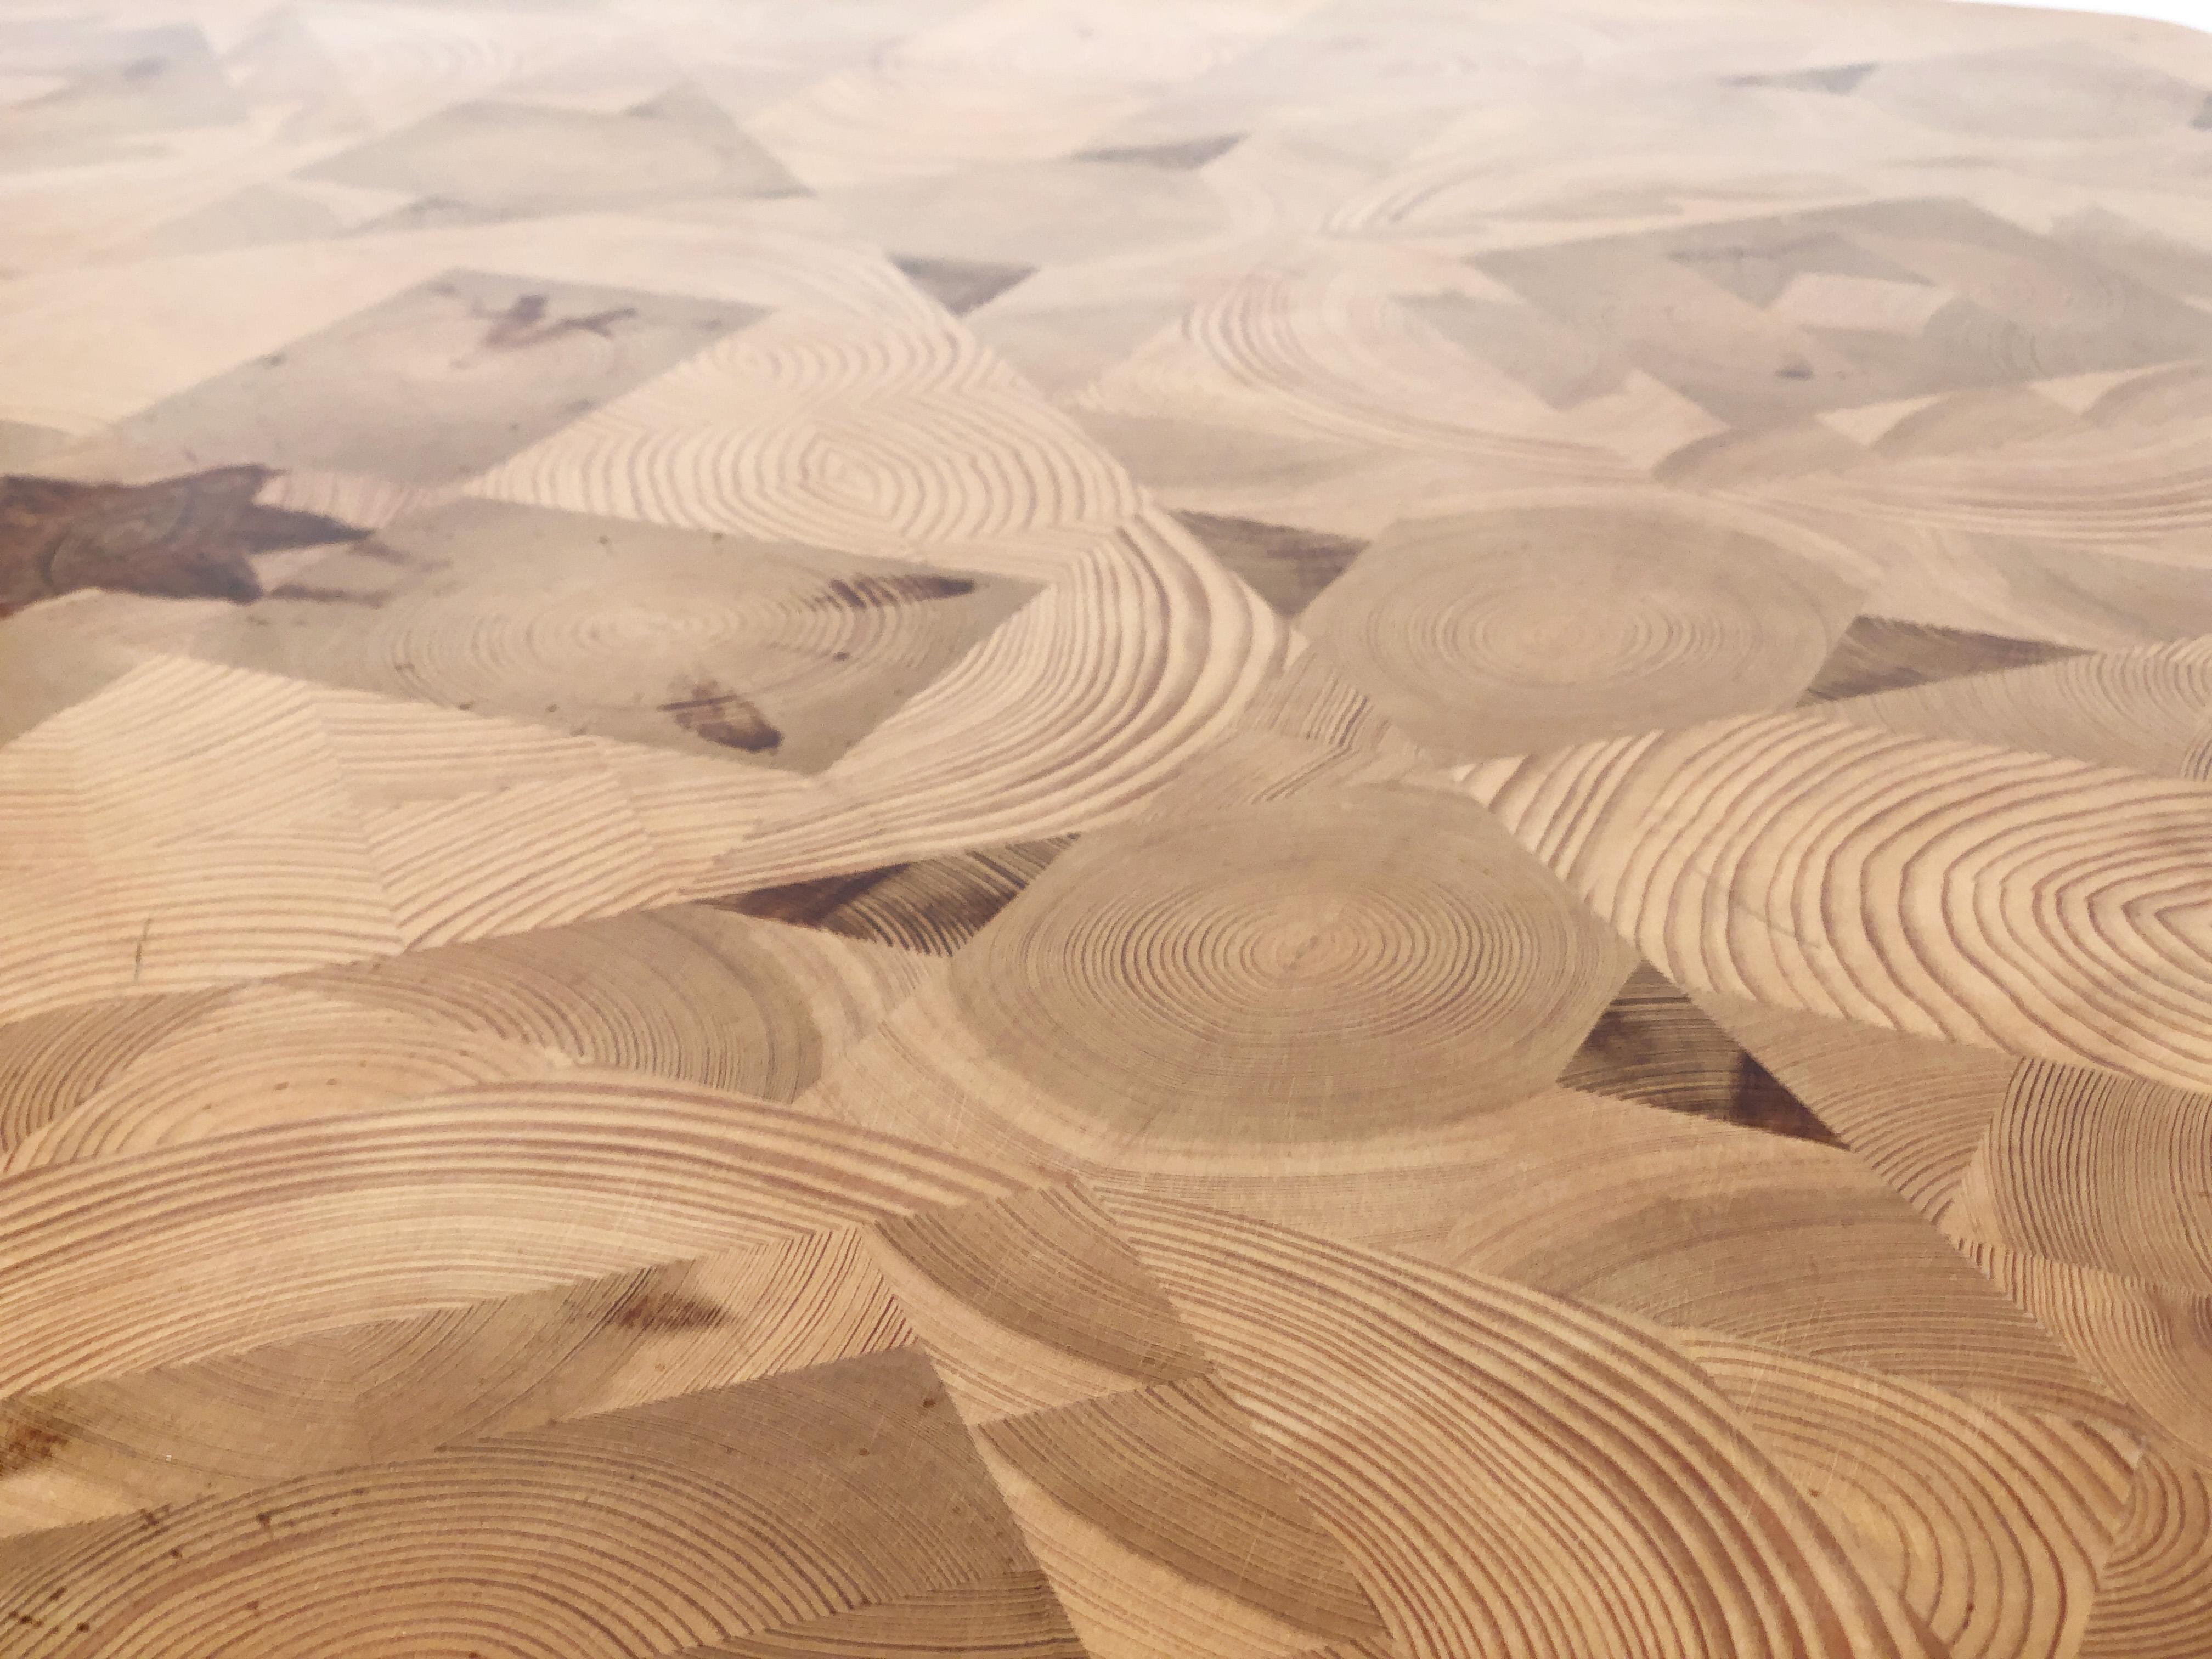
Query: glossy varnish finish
{"type": "Point", "coordinates": [1257, 829]}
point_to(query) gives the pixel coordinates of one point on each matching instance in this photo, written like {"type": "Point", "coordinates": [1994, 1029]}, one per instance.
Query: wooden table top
{"type": "Point", "coordinates": [1022, 829]}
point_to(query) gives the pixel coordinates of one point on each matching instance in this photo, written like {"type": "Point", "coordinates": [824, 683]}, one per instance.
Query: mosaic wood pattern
{"type": "Point", "coordinates": [1032, 830]}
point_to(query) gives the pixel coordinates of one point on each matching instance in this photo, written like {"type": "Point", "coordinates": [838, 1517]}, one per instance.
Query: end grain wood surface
{"type": "Point", "coordinates": [1105, 829]}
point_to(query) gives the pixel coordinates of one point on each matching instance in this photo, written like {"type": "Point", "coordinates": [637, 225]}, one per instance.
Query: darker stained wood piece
{"type": "Point", "coordinates": [934, 906]}
{"type": "Point", "coordinates": [1653, 1044]}
{"type": "Point", "coordinates": [1881, 654]}
{"type": "Point", "coordinates": [960, 285]}
{"type": "Point", "coordinates": [183, 538]}
{"type": "Point", "coordinates": [1187, 155]}
{"type": "Point", "coordinates": [1285, 566]}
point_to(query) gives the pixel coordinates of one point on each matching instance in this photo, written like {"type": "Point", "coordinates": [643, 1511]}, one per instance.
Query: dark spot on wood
{"type": "Point", "coordinates": [654, 1307]}
{"type": "Point", "coordinates": [526, 324]}
{"type": "Point", "coordinates": [25, 1445]}
{"type": "Point", "coordinates": [1179, 157]}
{"type": "Point", "coordinates": [713, 711]}
{"type": "Point", "coordinates": [876, 593]}
{"type": "Point", "coordinates": [525, 313]}
{"type": "Point", "coordinates": [1839, 79]}
{"type": "Point", "coordinates": [183, 538]}
{"type": "Point", "coordinates": [312, 595]}
{"type": "Point", "coordinates": [602, 323]}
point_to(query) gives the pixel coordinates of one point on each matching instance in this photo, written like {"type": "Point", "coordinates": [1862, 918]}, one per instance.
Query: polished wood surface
{"type": "Point", "coordinates": [1246, 829]}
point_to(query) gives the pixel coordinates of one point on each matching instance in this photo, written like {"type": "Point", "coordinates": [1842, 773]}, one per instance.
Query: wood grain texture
{"type": "Point", "coordinates": [1032, 1302]}
{"type": "Point", "coordinates": [1461, 1379]}
{"type": "Point", "coordinates": [1878, 654]}
{"type": "Point", "coordinates": [2148, 709]}
{"type": "Point", "coordinates": [935, 906]}
{"type": "Point", "coordinates": [1016, 1616]}
{"type": "Point", "coordinates": [2156, 1588]}
{"type": "Point", "coordinates": [368, 1393]}
{"type": "Point", "coordinates": [2147, 1342]}
{"type": "Point", "coordinates": [1714, 1226]}
{"type": "Point", "coordinates": [1939, 888]}
{"type": "Point", "coordinates": [2101, 1170]}
{"type": "Point", "coordinates": [1992, 1524]}
{"type": "Point", "coordinates": [1546, 618]}
{"type": "Point", "coordinates": [1653, 1044]}
{"type": "Point", "coordinates": [1166, 1526]}
{"type": "Point", "coordinates": [1035, 829]}
{"type": "Point", "coordinates": [1914, 1108]}
{"type": "Point", "coordinates": [450, 1199]}
{"type": "Point", "coordinates": [1344, 947]}
{"type": "Point", "coordinates": [858, 1493]}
